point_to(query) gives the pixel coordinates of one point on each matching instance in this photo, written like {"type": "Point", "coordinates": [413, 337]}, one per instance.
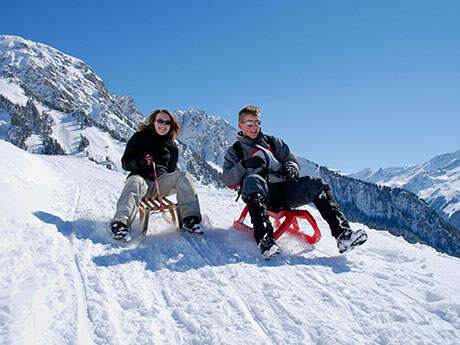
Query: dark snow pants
{"type": "Point", "coordinates": [298, 193]}
{"type": "Point", "coordinates": [286, 194]}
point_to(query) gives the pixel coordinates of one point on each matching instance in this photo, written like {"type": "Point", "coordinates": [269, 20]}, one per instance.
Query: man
{"type": "Point", "coordinates": [267, 174]}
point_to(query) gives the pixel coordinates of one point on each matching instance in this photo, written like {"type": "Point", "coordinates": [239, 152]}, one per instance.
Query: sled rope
{"type": "Point", "coordinates": [158, 188]}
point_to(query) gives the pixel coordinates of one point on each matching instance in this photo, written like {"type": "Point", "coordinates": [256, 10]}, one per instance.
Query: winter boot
{"type": "Point", "coordinates": [120, 231]}
{"type": "Point", "coordinates": [263, 229]}
{"type": "Point", "coordinates": [349, 239]}
{"type": "Point", "coordinates": [192, 225]}
{"type": "Point", "coordinates": [268, 247]}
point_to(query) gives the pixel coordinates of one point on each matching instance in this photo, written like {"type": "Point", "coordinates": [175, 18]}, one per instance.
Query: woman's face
{"type": "Point", "coordinates": [162, 124]}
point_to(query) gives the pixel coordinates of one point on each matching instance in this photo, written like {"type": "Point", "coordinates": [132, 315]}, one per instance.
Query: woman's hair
{"type": "Point", "coordinates": [149, 123]}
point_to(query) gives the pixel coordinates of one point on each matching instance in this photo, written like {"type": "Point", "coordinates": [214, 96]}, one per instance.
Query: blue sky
{"type": "Point", "coordinates": [347, 84]}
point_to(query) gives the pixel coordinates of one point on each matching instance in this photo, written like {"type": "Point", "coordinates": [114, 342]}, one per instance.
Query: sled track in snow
{"type": "Point", "coordinates": [83, 313]}
{"type": "Point", "coordinates": [243, 303]}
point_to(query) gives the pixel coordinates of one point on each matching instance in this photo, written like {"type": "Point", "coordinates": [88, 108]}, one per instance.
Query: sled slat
{"type": "Point", "coordinates": [152, 205]}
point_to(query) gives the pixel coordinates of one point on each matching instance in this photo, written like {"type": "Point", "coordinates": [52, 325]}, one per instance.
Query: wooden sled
{"type": "Point", "coordinates": [152, 205]}
{"type": "Point", "coordinates": [289, 224]}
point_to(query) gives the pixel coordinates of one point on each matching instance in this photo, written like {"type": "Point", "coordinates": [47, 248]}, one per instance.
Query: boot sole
{"type": "Point", "coordinates": [122, 239]}
{"type": "Point", "coordinates": [273, 251]}
{"type": "Point", "coordinates": [357, 242]}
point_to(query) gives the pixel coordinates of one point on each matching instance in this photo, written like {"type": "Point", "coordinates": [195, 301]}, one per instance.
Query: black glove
{"type": "Point", "coordinates": [252, 163]}
{"type": "Point", "coordinates": [144, 163]}
{"type": "Point", "coordinates": [291, 173]}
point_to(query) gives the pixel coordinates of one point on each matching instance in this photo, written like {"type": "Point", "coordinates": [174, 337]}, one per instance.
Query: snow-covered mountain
{"type": "Point", "coordinates": [436, 181]}
{"type": "Point", "coordinates": [63, 280]}
{"type": "Point", "coordinates": [209, 136]}
{"type": "Point", "coordinates": [55, 104]}
{"type": "Point", "coordinates": [63, 83]}
{"type": "Point", "coordinates": [398, 211]}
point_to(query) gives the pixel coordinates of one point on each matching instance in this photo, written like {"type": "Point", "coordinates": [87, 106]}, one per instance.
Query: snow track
{"type": "Point", "coordinates": [65, 281]}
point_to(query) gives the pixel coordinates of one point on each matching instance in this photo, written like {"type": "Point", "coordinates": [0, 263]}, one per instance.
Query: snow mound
{"type": "Point", "coordinates": [65, 281]}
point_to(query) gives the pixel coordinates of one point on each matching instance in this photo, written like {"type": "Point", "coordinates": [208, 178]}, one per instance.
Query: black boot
{"type": "Point", "coordinates": [340, 228]}
{"type": "Point", "coordinates": [120, 231]}
{"type": "Point", "coordinates": [329, 210]}
{"type": "Point", "coordinates": [263, 229]}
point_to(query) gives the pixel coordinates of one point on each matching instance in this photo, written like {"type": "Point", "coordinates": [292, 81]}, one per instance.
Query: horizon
{"type": "Point", "coordinates": [370, 85]}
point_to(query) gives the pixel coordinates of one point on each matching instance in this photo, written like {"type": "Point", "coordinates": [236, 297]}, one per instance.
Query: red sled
{"type": "Point", "coordinates": [289, 224]}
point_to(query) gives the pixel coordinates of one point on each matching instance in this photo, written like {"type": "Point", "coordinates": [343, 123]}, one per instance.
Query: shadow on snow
{"type": "Point", "coordinates": [80, 228]}
{"type": "Point", "coordinates": [181, 252]}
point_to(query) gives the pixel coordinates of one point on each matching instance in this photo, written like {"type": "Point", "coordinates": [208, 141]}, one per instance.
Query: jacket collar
{"type": "Point", "coordinates": [152, 132]}
{"type": "Point", "coordinates": [248, 141]}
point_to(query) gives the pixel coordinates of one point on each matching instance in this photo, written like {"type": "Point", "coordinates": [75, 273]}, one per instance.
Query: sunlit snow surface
{"type": "Point", "coordinates": [63, 280]}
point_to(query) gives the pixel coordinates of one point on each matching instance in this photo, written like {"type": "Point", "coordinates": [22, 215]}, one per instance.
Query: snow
{"type": "Point", "coordinates": [215, 166]}
{"type": "Point", "coordinates": [13, 92]}
{"type": "Point", "coordinates": [63, 280]}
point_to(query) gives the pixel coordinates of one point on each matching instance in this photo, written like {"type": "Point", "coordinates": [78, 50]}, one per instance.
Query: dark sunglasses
{"type": "Point", "coordinates": [163, 122]}
{"type": "Point", "coordinates": [252, 123]}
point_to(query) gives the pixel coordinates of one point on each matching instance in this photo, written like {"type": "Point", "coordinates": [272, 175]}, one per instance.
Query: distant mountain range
{"type": "Point", "coordinates": [52, 103]}
{"type": "Point", "coordinates": [436, 181]}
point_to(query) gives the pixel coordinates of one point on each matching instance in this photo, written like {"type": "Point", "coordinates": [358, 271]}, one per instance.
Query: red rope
{"type": "Point", "coordinates": [158, 188]}
{"type": "Point", "coordinates": [149, 160]}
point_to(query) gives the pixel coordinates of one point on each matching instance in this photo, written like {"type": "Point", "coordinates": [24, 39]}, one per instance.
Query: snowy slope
{"type": "Point", "coordinates": [436, 181]}
{"type": "Point", "coordinates": [63, 280]}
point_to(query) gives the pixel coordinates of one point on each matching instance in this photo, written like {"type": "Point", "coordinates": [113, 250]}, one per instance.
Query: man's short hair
{"type": "Point", "coordinates": [248, 110]}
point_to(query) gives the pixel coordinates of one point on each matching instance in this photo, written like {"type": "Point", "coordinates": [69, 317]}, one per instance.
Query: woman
{"type": "Point", "coordinates": [154, 143]}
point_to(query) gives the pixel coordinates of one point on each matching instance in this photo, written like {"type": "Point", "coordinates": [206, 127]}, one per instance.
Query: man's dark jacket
{"type": "Point", "coordinates": [233, 170]}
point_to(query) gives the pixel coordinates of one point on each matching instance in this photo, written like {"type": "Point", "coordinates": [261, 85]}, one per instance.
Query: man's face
{"type": "Point", "coordinates": [250, 131]}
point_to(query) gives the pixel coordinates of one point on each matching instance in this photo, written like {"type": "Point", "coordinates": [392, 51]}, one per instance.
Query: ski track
{"type": "Point", "coordinates": [179, 288]}
{"type": "Point", "coordinates": [241, 303]}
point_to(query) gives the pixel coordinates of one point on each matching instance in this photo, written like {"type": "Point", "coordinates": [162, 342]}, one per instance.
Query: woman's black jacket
{"type": "Point", "coordinates": [161, 148]}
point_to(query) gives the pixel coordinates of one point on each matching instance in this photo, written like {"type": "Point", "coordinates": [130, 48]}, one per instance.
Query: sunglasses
{"type": "Point", "coordinates": [252, 123]}
{"type": "Point", "coordinates": [163, 122]}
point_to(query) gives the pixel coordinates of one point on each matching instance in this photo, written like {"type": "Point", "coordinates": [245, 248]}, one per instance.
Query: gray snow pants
{"type": "Point", "coordinates": [136, 188]}
{"type": "Point", "coordinates": [287, 194]}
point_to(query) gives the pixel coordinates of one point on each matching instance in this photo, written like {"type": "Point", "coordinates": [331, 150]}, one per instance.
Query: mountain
{"type": "Point", "coordinates": [65, 281]}
{"type": "Point", "coordinates": [54, 104]}
{"type": "Point", "coordinates": [398, 211]}
{"type": "Point", "coordinates": [210, 136]}
{"type": "Point", "coordinates": [58, 81]}
{"type": "Point", "coordinates": [436, 181]}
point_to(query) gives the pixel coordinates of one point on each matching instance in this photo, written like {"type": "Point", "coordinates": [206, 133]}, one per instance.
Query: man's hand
{"type": "Point", "coordinates": [252, 163]}
{"type": "Point", "coordinates": [291, 172]}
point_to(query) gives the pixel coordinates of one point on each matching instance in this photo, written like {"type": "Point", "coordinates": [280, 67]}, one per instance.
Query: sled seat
{"type": "Point", "coordinates": [285, 220]}
{"type": "Point", "coordinates": [153, 205]}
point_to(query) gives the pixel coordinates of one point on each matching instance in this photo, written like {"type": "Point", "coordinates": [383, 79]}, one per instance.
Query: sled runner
{"type": "Point", "coordinates": [289, 224]}
{"type": "Point", "coordinates": [166, 207]}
